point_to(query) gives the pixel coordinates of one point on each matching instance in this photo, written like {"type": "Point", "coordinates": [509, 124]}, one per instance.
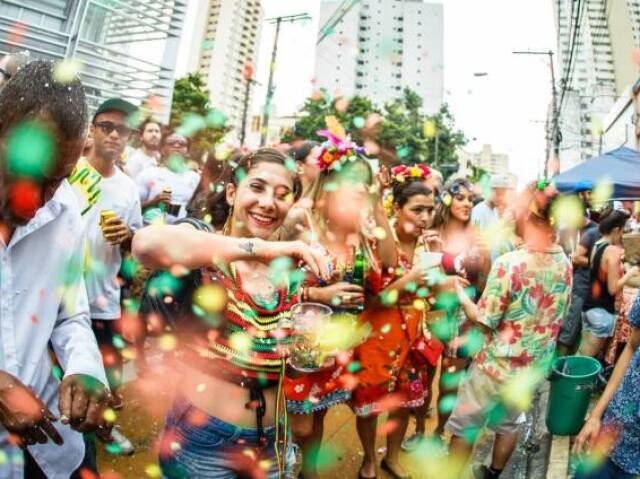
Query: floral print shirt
{"type": "Point", "coordinates": [624, 409]}
{"type": "Point", "coordinates": [524, 304]}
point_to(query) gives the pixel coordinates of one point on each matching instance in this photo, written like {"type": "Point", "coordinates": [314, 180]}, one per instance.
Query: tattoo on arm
{"type": "Point", "coordinates": [249, 247]}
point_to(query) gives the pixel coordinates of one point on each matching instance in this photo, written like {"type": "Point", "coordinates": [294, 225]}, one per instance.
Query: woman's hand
{"type": "Point", "coordinates": [339, 294]}
{"type": "Point", "coordinates": [433, 241]}
{"type": "Point", "coordinates": [314, 257]}
{"type": "Point", "coordinates": [588, 435]}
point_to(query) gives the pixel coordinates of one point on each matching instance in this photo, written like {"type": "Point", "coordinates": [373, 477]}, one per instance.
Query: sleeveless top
{"type": "Point", "coordinates": [221, 329]}
{"type": "Point", "coordinates": [599, 296]}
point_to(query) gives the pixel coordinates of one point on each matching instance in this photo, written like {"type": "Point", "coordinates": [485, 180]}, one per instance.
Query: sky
{"type": "Point", "coordinates": [506, 108]}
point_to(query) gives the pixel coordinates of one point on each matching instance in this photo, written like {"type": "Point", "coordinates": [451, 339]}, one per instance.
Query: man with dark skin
{"type": "Point", "coordinates": [42, 293]}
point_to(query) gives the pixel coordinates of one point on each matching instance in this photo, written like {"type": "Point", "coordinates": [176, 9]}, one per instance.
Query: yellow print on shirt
{"type": "Point", "coordinates": [85, 179]}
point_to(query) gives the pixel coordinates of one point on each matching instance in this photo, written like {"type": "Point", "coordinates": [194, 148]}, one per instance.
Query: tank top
{"type": "Point", "coordinates": [599, 296]}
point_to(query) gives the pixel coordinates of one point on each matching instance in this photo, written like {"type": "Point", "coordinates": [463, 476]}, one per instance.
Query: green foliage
{"type": "Point", "coordinates": [404, 130]}
{"type": "Point", "coordinates": [191, 113]}
{"type": "Point", "coordinates": [420, 138]}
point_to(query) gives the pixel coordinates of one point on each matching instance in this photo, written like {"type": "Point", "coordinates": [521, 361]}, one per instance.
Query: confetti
{"type": "Point", "coordinates": [67, 70]}
{"type": "Point", "coordinates": [30, 149]}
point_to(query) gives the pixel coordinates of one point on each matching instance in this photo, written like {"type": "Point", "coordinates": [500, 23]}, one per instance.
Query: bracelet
{"type": "Point", "coordinates": [305, 294]}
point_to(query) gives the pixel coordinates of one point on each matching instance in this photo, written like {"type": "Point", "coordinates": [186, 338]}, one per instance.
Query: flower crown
{"type": "Point", "coordinates": [336, 151]}
{"type": "Point", "coordinates": [403, 173]}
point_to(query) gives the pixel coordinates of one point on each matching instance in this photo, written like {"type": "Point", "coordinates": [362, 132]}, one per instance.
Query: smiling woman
{"type": "Point", "coordinates": [234, 345]}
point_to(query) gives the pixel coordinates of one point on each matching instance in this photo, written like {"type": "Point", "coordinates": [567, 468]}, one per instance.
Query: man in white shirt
{"type": "Point", "coordinates": [108, 239]}
{"type": "Point", "coordinates": [43, 302]}
{"type": "Point", "coordinates": [165, 190]}
{"type": "Point", "coordinates": [487, 213]}
{"type": "Point", "coordinates": [148, 154]}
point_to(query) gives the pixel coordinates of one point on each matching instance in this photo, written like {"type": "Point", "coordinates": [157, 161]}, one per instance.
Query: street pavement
{"type": "Point", "coordinates": [146, 402]}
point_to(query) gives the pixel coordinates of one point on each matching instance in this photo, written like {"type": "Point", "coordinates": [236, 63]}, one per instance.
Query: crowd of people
{"type": "Point", "coordinates": [426, 292]}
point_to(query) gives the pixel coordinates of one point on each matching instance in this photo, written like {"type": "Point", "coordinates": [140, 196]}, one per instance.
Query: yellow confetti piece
{"type": "Point", "coordinates": [67, 71]}
{"type": "Point", "coordinates": [334, 126]}
{"type": "Point", "coordinates": [167, 342]}
{"type": "Point", "coordinates": [429, 129]}
{"type": "Point", "coordinates": [379, 233]}
{"type": "Point", "coordinates": [240, 341]}
{"type": "Point", "coordinates": [109, 415]}
{"type": "Point", "coordinates": [602, 192]}
{"type": "Point", "coordinates": [175, 446]}
{"type": "Point", "coordinates": [567, 212]}
{"type": "Point", "coordinates": [153, 470]}
{"type": "Point", "coordinates": [210, 297]}
{"type": "Point", "coordinates": [419, 304]}
{"type": "Point", "coordinates": [201, 387]}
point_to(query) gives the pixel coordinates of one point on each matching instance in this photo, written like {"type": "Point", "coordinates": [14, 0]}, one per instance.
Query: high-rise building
{"type": "Point", "coordinates": [125, 49]}
{"type": "Point", "coordinates": [380, 47]}
{"type": "Point", "coordinates": [229, 32]}
{"type": "Point", "coordinates": [496, 164]}
{"type": "Point", "coordinates": [596, 39]}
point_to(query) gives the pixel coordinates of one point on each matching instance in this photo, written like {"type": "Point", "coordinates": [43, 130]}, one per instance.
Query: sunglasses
{"type": "Point", "coordinates": [107, 128]}
{"type": "Point", "coordinates": [178, 143]}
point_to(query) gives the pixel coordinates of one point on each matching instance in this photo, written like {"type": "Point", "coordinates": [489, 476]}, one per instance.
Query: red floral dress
{"type": "Point", "coordinates": [388, 378]}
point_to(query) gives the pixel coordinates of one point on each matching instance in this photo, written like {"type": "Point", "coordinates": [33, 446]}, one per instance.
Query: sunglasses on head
{"type": "Point", "coordinates": [107, 128]}
{"type": "Point", "coordinates": [457, 187]}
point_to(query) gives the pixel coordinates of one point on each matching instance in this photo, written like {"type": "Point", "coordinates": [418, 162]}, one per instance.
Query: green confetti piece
{"type": "Point", "coordinates": [447, 403]}
{"type": "Point", "coordinates": [130, 267]}
{"type": "Point", "coordinates": [330, 186]}
{"type": "Point", "coordinates": [385, 329]}
{"type": "Point", "coordinates": [353, 367]}
{"type": "Point", "coordinates": [471, 433]}
{"type": "Point", "coordinates": [422, 292]}
{"type": "Point", "coordinates": [496, 415]}
{"type": "Point", "coordinates": [216, 118]}
{"type": "Point", "coordinates": [389, 298]}
{"type": "Point", "coordinates": [326, 456]}
{"type": "Point", "coordinates": [240, 174]}
{"type": "Point", "coordinates": [191, 124]}
{"type": "Point", "coordinates": [290, 164]}
{"type": "Point", "coordinates": [30, 150]}
{"type": "Point", "coordinates": [359, 122]}
{"type": "Point", "coordinates": [118, 342]}
{"type": "Point", "coordinates": [403, 151]}
{"type": "Point", "coordinates": [411, 287]}
{"type": "Point", "coordinates": [452, 380]}
{"type": "Point", "coordinates": [207, 45]}
{"type": "Point", "coordinates": [112, 448]}
{"type": "Point", "coordinates": [57, 372]}
{"type": "Point", "coordinates": [474, 341]}
{"type": "Point", "coordinates": [132, 305]}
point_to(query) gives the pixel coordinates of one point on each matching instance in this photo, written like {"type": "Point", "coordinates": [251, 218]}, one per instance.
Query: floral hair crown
{"type": "Point", "coordinates": [336, 151]}
{"type": "Point", "coordinates": [403, 173]}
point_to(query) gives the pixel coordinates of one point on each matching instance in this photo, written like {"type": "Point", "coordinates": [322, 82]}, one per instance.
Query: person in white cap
{"type": "Point", "coordinates": [488, 212]}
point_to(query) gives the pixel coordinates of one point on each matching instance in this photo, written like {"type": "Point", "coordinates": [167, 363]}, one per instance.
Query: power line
{"type": "Point", "coordinates": [335, 18]}
{"type": "Point", "coordinates": [567, 77]}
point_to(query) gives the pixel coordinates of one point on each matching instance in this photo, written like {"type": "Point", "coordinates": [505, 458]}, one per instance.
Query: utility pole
{"type": "Point", "coordinates": [248, 76]}
{"type": "Point", "coordinates": [554, 136]}
{"type": "Point", "coordinates": [272, 68]}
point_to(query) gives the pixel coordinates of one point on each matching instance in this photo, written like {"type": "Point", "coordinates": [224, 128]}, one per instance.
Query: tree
{"type": "Point", "coordinates": [192, 115]}
{"type": "Point", "coordinates": [419, 138]}
{"type": "Point", "coordinates": [402, 131]}
{"type": "Point", "coordinates": [351, 113]}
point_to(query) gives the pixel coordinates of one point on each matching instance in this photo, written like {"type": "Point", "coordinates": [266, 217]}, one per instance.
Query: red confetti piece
{"type": "Point", "coordinates": [17, 32]}
{"type": "Point", "coordinates": [24, 198]}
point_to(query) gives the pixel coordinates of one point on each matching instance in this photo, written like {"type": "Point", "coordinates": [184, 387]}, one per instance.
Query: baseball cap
{"type": "Point", "coordinates": [116, 104]}
{"type": "Point", "coordinates": [501, 181]}
{"type": "Point", "coordinates": [583, 185]}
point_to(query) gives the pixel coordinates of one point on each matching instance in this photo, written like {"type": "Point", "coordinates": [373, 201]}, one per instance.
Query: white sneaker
{"type": "Point", "coordinates": [121, 446]}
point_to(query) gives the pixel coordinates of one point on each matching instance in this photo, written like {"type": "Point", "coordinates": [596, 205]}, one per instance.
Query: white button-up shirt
{"type": "Point", "coordinates": [43, 302]}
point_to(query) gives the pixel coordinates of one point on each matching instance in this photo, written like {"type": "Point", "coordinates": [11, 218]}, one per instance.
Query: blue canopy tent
{"type": "Point", "coordinates": [620, 166]}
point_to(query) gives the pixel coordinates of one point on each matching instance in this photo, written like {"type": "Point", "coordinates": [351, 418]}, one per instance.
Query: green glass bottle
{"type": "Point", "coordinates": [358, 275]}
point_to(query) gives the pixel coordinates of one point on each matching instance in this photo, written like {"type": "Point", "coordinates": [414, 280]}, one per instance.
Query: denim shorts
{"type": "Point", "coordinates": [196, 445]}
{"type": "Point", "coordinates": [599, 322]}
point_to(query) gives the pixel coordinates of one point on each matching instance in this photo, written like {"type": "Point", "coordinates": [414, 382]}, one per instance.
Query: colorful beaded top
{"type": "Point", "coordinates": [250, 341]}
